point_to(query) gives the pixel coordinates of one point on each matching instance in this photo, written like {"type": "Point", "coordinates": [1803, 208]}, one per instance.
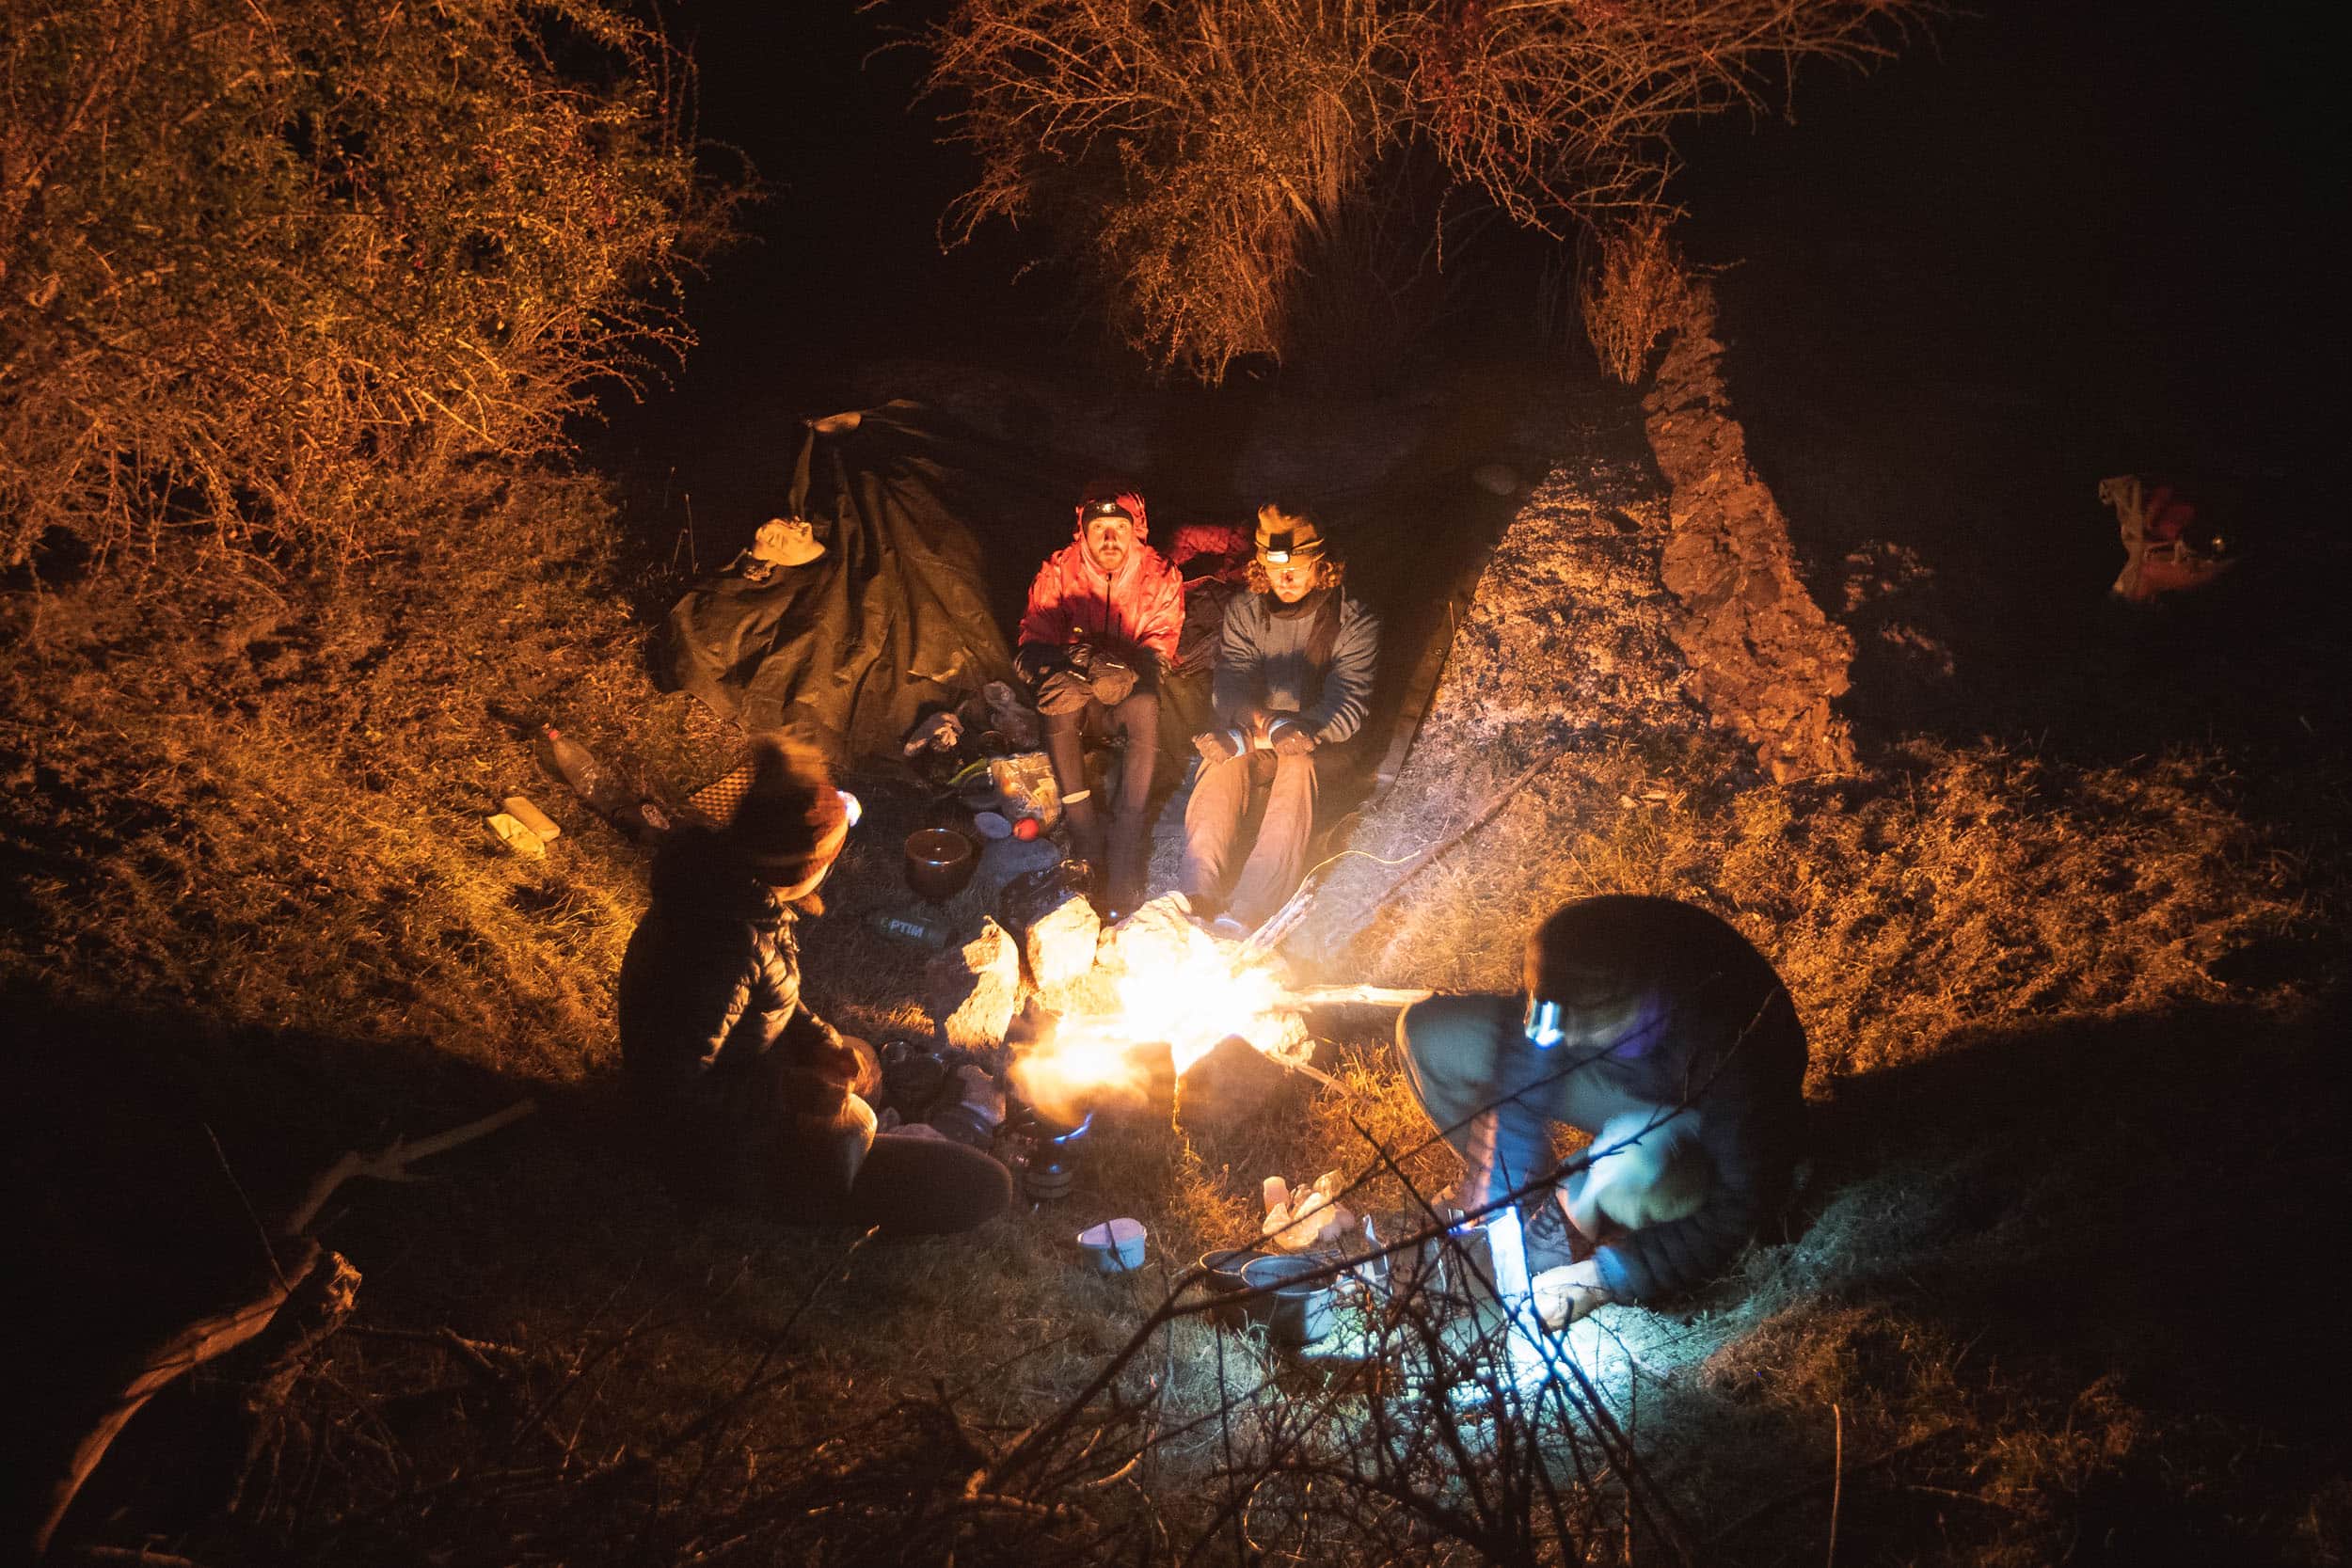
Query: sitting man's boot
{"type": "Point", "coordinates": [1085, 833]}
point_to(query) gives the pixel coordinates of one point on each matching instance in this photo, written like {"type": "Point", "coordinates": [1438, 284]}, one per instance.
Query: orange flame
{"type": "Point", "coordinates": [1175, 985]}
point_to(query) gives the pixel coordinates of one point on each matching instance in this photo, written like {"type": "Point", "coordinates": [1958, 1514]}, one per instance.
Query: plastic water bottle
{"type": "Point", "coordinates": [578, 768]}
{"type": "Point", "coordinates": [910, 925]}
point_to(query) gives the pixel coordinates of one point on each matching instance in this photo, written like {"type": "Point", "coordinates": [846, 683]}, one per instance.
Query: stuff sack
{"type": "Point", "coordinates": [2170, 542]}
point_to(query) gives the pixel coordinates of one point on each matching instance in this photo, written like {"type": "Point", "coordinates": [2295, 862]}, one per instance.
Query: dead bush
{"type": "Point", "coordinates": [264, 265]}
{"type": "Point", "coordinates": [1632, 289]}
{"type": "Point", "coordinates": [1201, 163]}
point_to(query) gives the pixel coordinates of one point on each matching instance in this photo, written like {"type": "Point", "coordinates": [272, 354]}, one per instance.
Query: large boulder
{"type": "Point", "coordinates": [974, 989]}
{"type": "Point", "coordinates": [1060, 945]}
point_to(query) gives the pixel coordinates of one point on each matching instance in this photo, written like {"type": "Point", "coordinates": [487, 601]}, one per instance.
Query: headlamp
{"type": "Point", "coordinates": [1097, 510]}
{"type": "Point", "coordinates": [1542, 1023]}
{"type": "Point", "coordinates": [849, 804]}
{"type": "Point", "coordinates": [1280, 549]}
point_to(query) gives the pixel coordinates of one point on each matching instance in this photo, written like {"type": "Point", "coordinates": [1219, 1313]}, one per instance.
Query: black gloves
{"type": "Point", "coordinates": [1068, 678]}
{"type": "Point", "coordinates": [1063, 692]}
{"type": "Point", "coordinates": [1114, 681]}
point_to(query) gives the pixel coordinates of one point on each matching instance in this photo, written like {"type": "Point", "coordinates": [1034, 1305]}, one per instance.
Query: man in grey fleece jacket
{"type": "Point", "coordinates": [1292, 684]}
{"type": "Point", "coordinates": [1659, 1029]}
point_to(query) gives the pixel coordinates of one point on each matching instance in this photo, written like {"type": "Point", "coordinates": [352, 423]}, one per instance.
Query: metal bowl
{"type": "Point", "coordinates": [1224, 1266]}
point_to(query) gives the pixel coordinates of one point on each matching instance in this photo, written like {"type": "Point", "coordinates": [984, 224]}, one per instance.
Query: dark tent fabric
{"type": "Point", "coordinates": [895, 618]}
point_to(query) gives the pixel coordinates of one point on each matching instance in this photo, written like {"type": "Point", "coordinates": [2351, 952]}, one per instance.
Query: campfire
{"type": "Point", "coordinates": [1099, 1008]}
{"type": "Point", "coordinates": [1157, 980]}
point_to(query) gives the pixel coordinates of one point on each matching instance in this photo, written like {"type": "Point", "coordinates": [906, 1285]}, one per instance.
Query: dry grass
{"type": "Point", "coordinates": [1632, 289]}
{"type": "Point", "coordinates": [1957, 889]}
{"type": "Point", "coordinates": [272, 274]}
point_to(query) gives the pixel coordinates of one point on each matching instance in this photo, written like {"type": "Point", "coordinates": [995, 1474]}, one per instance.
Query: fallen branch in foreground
{"type": "Point", "coordinates": [393, 1162]}
{"type": "Point", "coordinates": [152, 1369]}
{"type": "Point", "coordinates": [292, 1260]}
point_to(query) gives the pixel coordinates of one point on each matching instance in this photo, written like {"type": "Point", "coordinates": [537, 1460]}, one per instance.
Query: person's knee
{"type": "Point", "coordinates": [1449, 1038]}
{"type": "Point", "coordinates": [1295, 781]}
{"type": "Point", "coordinates": [1221, 787]}
{"type": "Point", "coordinates": [927, 1186]}
{"type": "Point", "coordinates": [1139, 717]}
{"type": "Point", "coordinates": [991, 1193]}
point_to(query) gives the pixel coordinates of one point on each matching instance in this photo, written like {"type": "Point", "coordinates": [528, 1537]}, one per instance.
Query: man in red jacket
{"type": "Point", "coordinates": [1104, 616]}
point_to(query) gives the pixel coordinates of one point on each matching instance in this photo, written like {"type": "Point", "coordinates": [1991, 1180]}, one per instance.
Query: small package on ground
{"type": "Point", "coordinates": [1026, 783]}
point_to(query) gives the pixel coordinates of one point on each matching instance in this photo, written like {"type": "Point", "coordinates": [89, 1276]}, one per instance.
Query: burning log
{"type": "Point", "coordinates": [1167, 998]}
{"type": "Point", "coordinates": [1160, 979]}
{"type": "Point", "coordinates": [1060, 944]}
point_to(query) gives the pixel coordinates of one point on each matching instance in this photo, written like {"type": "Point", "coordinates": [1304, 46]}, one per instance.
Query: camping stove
{"type": "Point", "coordinates": [1054, 1149]}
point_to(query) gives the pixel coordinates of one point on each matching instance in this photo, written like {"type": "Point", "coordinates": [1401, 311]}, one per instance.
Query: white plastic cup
{"type": "Point", "coordinates": [1114, 1246]}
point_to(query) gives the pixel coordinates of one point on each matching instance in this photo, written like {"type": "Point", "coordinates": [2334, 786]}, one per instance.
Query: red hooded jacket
{"type": "Point", "coordinates": [1071, 602]}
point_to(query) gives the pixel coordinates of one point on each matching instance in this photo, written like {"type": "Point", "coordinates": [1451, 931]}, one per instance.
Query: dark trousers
{"type": "Point", "coordinates": [1137, 723]}
{"type": "Point", "coordinates": [744, 1145]}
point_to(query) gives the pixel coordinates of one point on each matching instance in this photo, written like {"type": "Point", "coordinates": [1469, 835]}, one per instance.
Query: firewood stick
{"type": "Point", "coordinates": [1314, 1072]}
{"type": "Point", "coordinates": [393, 1162]}
{"type": "Point", "coordinates": [1373, 996]}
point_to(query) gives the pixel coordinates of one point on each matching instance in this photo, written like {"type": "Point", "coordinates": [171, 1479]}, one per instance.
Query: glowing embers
{"type": "Point", "coordinates": [1158, 980]}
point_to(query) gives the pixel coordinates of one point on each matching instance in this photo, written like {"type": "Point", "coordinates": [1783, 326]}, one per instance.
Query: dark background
{"type": "Point", "coordinates": [2157, 180]}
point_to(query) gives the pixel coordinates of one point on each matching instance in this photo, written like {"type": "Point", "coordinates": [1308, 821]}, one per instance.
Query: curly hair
{"type": "Point", "coordinates": [1330, 571]}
